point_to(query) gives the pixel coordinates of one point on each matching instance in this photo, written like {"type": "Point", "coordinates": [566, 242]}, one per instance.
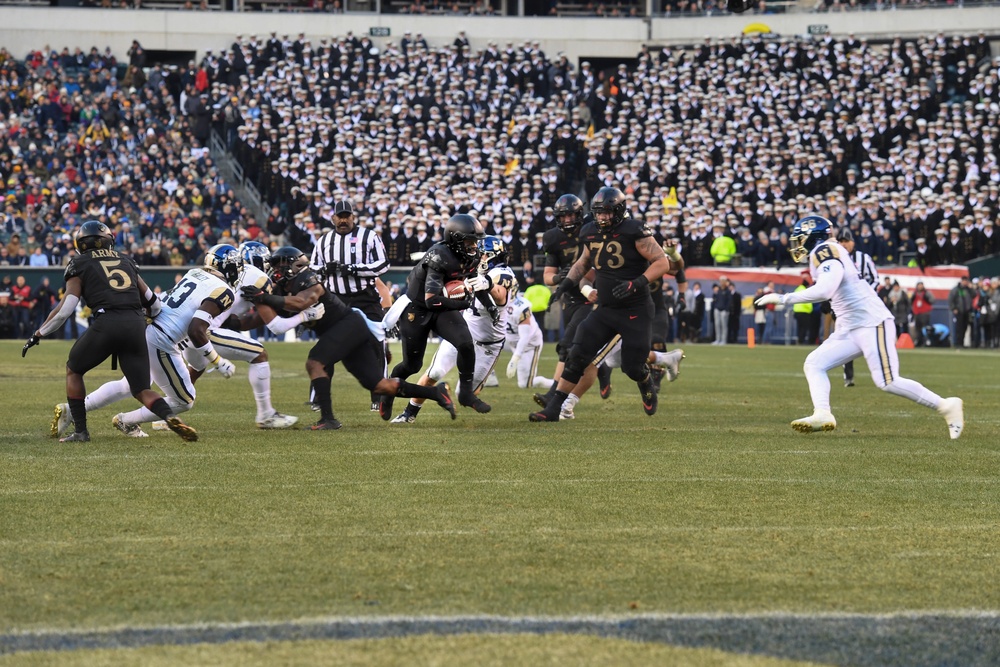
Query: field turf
{"type": "Point", "coordinates": [709, 534]}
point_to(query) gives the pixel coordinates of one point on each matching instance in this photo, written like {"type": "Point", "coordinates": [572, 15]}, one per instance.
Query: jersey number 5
{"type": "Point", "coordinates": [117, 278]}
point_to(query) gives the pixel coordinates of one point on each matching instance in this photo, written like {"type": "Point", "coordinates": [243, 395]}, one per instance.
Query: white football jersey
{"type": "Point", "coordinates": [185, 299]}
{"type": "Point", "coordinates": [855, 302]}
{"type": "Point", "coordinates": [480, 323]}
{"type": "Point", "coordinates": [252, 277]}
{"type": "Point", "coordinates": [517, 310]}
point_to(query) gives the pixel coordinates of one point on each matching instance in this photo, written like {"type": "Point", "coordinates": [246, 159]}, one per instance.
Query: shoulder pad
{"type": "Point", "coordinates": [823, 253]}
{"type": "Point", "coordinates": [303, 281]}
{"type": "Point", "coordinates": [438, 257]}
{"type": "Point", "coordinates": [552, 236]}
{"type": "Point", "coordinates": [74, 267]}
{"type": "Point", "coordinates": [633, 227]}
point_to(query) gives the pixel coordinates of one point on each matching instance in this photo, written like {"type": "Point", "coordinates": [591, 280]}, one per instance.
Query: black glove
{"type": "Point", "coordinates": [561, 274]}
{"type": "Point", "coordinates": [495, 313]}
{"type": "Point", "coordinates": [565, 285]}
{"type": "Point", "coordinates": [252, 293]}
{"type": "Point", "coordinates": [33, 341]}
{"type": "Point", "coordinates": [626, 288]}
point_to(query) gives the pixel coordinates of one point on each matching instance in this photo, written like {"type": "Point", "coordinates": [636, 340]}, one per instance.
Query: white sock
{"type": "Point", "coordinates": [260, 380]}
{"type": "Point", "coordinates": [106, 394]}
{"type": "Point", "coordinates": [542, 381]}
{"type": "Point", "coordinates": [144, 414]}
{"type": "Point", "coordinates": [914, 391]}
{"type": "Point", "coordinates": [415, 403]}
{"type": "Point", "coordinates": [819, 387]}
{"type": "Point", "coordinates": [570, 402]}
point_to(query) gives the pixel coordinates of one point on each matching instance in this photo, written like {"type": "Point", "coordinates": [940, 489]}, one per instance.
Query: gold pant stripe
{"type": "Point", "coordinates": [234, 342]}
{"type": "Point", "coordinates": [883, 353]}
{"type": "Point", "coordinates": [606, 350]}
{"type": "Point", "coordinates": [174, 378]}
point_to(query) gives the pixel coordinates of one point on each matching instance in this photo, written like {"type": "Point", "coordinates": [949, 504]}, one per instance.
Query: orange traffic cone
{"type": "Point", "coordinates": [904, 342]}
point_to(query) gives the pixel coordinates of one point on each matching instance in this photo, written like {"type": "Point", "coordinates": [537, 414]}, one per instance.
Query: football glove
{"type": "Point", "coordinates": [495, 313]}
{"type": "Point", "coordinates": [626, 288]}
{"type": "Point", "coordinates": [512, 366]}
{"type": "Point", "coordinates": [565, 285]}
{"type": "Point", "coordinates": [225, 367]}
{"type": "Point", "coordinates": [33, 341]}
{"type": "Point", "coordinates": [313, 312]}
{"type": "Point", "coordinates": [478, 283]}
{"type": "Point", "coordinates": [768, 299]}
{"type": "Point", "coordinates": [561, 274]}
{"type": "Point", "coordinates": [252, 293]}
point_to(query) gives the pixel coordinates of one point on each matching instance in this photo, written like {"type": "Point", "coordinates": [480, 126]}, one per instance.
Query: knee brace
{"type": "Point", "coordinates": [574, 368]}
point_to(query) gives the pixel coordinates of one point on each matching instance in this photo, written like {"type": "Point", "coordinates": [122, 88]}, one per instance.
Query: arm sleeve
{"type": "Point", "coordinates": [66, 310]}
{"type": "Point", "coordinates": [523, 337]}
{"type": "Point", "coordinates": [826, 284]}
{"type": "Point", "coordinates": [280, 325]}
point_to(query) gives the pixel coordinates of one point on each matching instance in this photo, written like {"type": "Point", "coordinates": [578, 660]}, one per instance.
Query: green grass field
{"type": "Point", "coordinates": [712, 508]}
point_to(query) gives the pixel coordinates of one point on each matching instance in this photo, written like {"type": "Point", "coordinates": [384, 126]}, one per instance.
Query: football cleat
{"type": "Point", "coordinates": [952, 411]}
{"type": "Point", "coordinates": [491, 380]}
{"type": "Point", "coordinates": [444, 400]}
{"type": "Point", "coordinates": [649, 397]}
{"type": "Point", "coordinates": [566, 413]}
{"type": "Point", "coordinates": [542, 416]}
{"type": "Point", "coordinates": [672, 363]}
{"type": "Point", "coordinates": [821, 420]}
{"type": "Point", "coordinates": [159, 426]}
{"type": "Point", "coordinates": [277, 421]}
{"type": "Point", "coordinates": [131, 430]}
{"type": "Point", "coordinates": [405, 418]}
{"type": "Point", "coordinates": [848, 382]}
{"type": "Point", "coordinates": [479, 405]}
{"type": "Point", "coordinates": [326, 425]}
{"type": "Point", "coordinates": [541, 399]}
{"type": "Point", "coordinates": [604, 378]}
{"type": "Point", "coordinates": [385, 406]}
{"type": "Point", "coordinates": [76, 436]}
{"type": "Point", "coordinates": [61, 420]}
{"type": "Point", "coordinates": [375, 406]}
{"type": "Point", "coordinates": [657, 374]}
{"type": "Point", "coordinates": [313, 406]}
{"type": "Point", "coordinates": [186, 433]}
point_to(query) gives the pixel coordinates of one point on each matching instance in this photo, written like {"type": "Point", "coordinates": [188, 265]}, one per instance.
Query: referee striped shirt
{"type": "Point", "coordinates": [866, 267]}
{"type": "Point", "coordinates": [362, 248]}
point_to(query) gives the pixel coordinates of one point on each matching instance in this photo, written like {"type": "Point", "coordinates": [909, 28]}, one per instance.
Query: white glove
{"type": "Point", "coordinates": [768, 299]}
{"type": "Point", "coordinates": [155, 307]}
{"type": "Point", "coordinates": [512, 366]}
{"type": "Point", "coordinates": [225, 367]}
{"type": "Point", "coordinates": [478, 283]}
{"type": "Point", "coordinates": [313, 312]}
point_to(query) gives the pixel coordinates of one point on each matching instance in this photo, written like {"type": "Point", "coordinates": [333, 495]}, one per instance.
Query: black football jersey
{"type": "Point", "coordinates": [615, 258]}
{"type": "Point", "coordinates": [335, 308]}
{"type": "Point", "coordinates": [438, 267]}
{"type": "Point", "coordinates": [110, 279]}
{"type": "Point", "coordinates": [562, 250]}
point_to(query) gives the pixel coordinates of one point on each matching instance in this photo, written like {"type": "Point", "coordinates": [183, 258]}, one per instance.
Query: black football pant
{"type": "Point", "coordinates": [633, 324]}
{"type": "Point", "coordinates": [349, 342]}
{"type": "Point", "coordinates": [416, 324]}
{"type": "Point", "coordinates": [572, 314]}
{"type": "Point", "coordinates": [118, 332]}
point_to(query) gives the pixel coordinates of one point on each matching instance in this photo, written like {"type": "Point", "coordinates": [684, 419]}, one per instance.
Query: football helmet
{"type": "Point", "coordinates": [806, 234]}
{"type": "Point", "coordinates": [94, 235]}
{"type": "Point", "coordinates": [462, 233]}
{"type": "Point", "coordinates": [569, 213]}
{"type": "Point", "coordinates": [493, 251]}
{"type": "Point", "coordinates": [610, 202]}
{"type": "Point", "coordinates": [286, 263]}
{"type": "Point", "coordinates": [225, 259]}
{"type": "Point", "coordinates": [255, 254]}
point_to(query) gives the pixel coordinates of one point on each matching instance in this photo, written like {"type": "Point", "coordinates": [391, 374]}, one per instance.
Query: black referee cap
{"type": "Point", "coordinates": [844, 234]}
{"type": "Point", "coordinates": [343, 206]}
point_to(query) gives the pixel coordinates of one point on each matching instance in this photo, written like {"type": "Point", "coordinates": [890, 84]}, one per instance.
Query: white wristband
{"type": "Point", "coordinates": [208, 352]}
{"type": "Point", "coordinates": [586, 291]}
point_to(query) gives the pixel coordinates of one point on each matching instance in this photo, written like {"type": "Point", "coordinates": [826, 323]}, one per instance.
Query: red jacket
{"type": "Point", "coordinates": [20, 296]}
{"type": "Point", "coordinates": [922, 302]}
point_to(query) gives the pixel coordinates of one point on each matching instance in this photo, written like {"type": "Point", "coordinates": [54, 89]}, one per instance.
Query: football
{"type": "Point", "coordinates": [455, 289]}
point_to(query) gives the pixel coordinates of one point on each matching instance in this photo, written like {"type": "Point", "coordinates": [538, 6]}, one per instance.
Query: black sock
{"type": "Point", "coordinates": [410, 390]}
{"type": "Point", "coordinates": [552, 388]}
{"type": "Point", "coordinates": [412, 410]}
{"type": "Point", "coordinates": [555, 403]}
{"type": "Point", "coordinates": [161, 409]}
{"type": "Point", "coordinates": [466, 393]}
{"type": "Point", "coordinates": [321, 396]}
{"type": "Point", "coordinates": [78, 409]}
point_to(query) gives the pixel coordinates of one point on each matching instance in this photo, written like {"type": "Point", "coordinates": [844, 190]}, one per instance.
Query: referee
{"type": "Point", "coordinates": [865, 265]}
{"type": "Point", "coordinates": [352, 259]}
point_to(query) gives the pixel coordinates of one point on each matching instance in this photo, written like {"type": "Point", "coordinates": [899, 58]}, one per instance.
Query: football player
{"type": "Point", "coordinates": [202, 295]}
{"type": "Point", "coordinates": [526, 339]}
{"type": "Point", "coordinates": [487, 321]}
{"type": "Point", "coordinates": [111, 286]}
{"type": "Point", "coordinates": [455, 257]}
{"type": "Point", "coordinates": [625, 258]}
{"type": "Point", "coordinates": [865, 328]}
{"type": "Point", "coordinates": [563, 245]}
{"type": "Point", "coordinates": [345, 335]}
{"type": "Point", "coordinates": [231, 342]}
